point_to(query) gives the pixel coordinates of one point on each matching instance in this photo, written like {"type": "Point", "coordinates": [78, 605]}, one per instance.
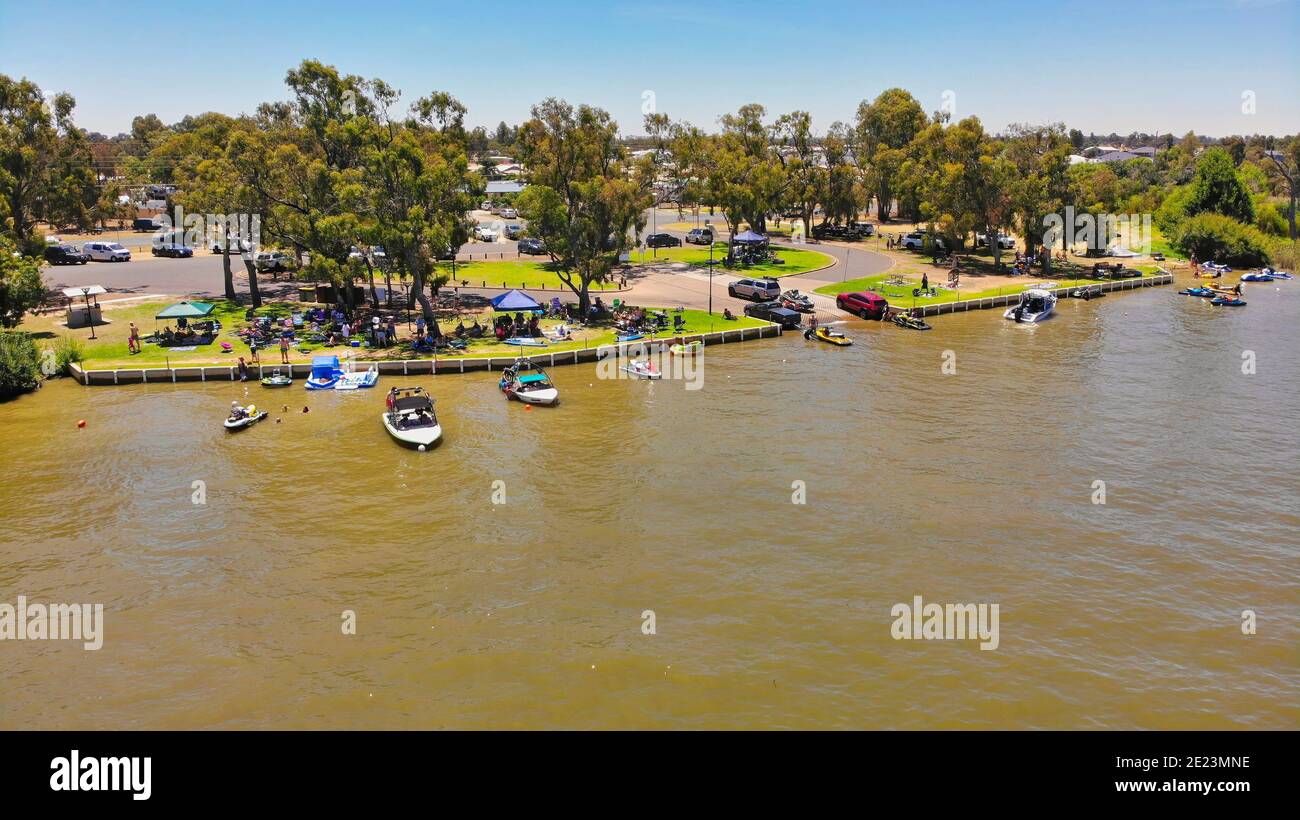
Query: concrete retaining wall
{"type": "Point", "coordinates": [1164, 277]}
{"type": "Point", "coordinates": [411, 367]}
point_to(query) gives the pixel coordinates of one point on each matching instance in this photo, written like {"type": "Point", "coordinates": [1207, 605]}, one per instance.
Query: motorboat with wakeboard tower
{"type": "Point", "coordinates": [1034, 306]}
{"type": "Point", "coordinates": [410, 418]}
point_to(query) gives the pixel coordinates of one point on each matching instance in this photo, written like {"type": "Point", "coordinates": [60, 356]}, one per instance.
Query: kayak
{"type": "Point", "coordinates": [825, 334]}
{"type": "Point", "coordinates": [688, 349]}
{"type": "Point", "coordinates": [522, 342]}
{"type": "Point", "coordinates": [247, 421]}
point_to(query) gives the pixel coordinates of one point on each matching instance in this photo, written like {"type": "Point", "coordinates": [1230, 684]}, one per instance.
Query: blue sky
{"type": "Point", "coordinates": [1144, 65]}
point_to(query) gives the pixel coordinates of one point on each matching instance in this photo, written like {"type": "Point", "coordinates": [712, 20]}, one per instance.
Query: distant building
{"type": "Point", "coordinates": [503, 186]}
{"type": "Point", "coordinates": [1118, 156]}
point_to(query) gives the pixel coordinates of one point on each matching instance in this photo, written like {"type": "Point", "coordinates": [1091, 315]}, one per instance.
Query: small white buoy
{"type": "Point", "coordinates": [421, 448]}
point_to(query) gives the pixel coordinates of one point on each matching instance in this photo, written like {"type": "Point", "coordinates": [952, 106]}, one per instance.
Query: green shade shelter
{"type": "Point", "coordinates": [186, 310]}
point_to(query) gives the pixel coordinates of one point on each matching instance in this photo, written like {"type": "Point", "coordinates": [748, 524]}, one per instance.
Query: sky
{"type": "Point", "coordinates": [1216, 67]}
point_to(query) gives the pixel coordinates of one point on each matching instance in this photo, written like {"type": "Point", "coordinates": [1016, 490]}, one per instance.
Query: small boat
{"type": "Point", "coordinates": [353, 380]}
{"type": "Point", "coordinates": [630, 337]}
{"type": "Point", "coordinates": [528, 383]}
{"type": "Point", "coordinates": [1088, 292]}
{"type": "Point", "coordinates": [1228, 301]}
{"type": "Point", "coordinates": [796, 301]}
{"type": "Point", "coordinates": [641, 369]}
{"type": "Point", "coordinates": [1035, 305]}
{"type": "Point", "coordinates": [241, 417]}
{"type": "Point", "coordinates": [909, 321]}
{"type": "Point", "coordinates": [687, 348]}
{"type": "Point", "coordinates": [1203, 292]}
{"type": "Point", "coordinates": [325, 373]}
{"type": "Point", "coordinates": [277, 379]}
{"type": "Point", "coordinates": [1259, 276]}
{"type": "Point", "coordinates": [411, 419]}
{"type": "Point", "coordinates": [520, 341]}
{"type": "Point", "coordinates": [827, 334]}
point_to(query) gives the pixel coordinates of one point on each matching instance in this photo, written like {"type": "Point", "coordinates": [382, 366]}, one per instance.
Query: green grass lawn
{"type": "Point", "coordinates": [109, 350]}
{"type": "Point", "coordinates": [901, 295]}
{"type": "Point", "coordinates": [510, 273]}
{"type": "Point", "coordinates": [796, 260]}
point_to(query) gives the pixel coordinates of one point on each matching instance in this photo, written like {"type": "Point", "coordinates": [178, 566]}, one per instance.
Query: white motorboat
{"type": "Point", "coordinates": [528, 383]}
{"type": "Point", "coordinates": [641, 369]}
{"type": "Point", "coordinates": [411, 418]}
{"type": "Point", "coordinates": [1035, 305]}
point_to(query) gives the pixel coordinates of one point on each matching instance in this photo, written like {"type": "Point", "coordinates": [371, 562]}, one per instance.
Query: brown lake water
{"type": "Point", "coordinates": [631, 496]}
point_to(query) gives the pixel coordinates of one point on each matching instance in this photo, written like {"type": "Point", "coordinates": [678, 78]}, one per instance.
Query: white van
{"type": "Point", "coordinates": [106, 252]}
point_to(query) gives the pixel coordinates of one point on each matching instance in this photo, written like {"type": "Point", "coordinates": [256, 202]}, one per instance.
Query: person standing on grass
{"type": "Point", "coordinates": [284, 349]}
{"type": "Point", "coordinates": [133, 341]}
{"type": "Point", "coordinates": [392, 331]}
{"type": "Point", "coordinates": [925, 282]}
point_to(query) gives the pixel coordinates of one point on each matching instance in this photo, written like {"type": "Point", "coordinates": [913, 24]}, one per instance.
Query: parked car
{"type": "Point", "coordinates": [237, 246]}
{"type": "Point", "coordinates": [509, 213]}
{"type": "Point", "coordinates": [916, 240]}
{"type": "Point", "coordinates": [485, 206]}
{"type": "Point", "coordinates": [65, 255]}
{"type": "Point", "coordinates": [106, 252]}
{"type": "Point", "coordinates": [700, 236]}
{"type": "Point", "coordinates": [1004, 241]}
{"type": "Point", "coordinates": [662, 240]}
{"type": "Point", "coordinates": [532, 247]}
{"type": "Point", "coordinates": [274, 261]}
{"type": "Point", "coordinates": [448, 253]}
{"type": "Point", "coordinates": [484, 233]}
{"type": "Point", "coordinates": [760, 290]}
{"type": "Point", "coordinates": [863, 229]}
{"type": "Point", "coordinates": [864, 303]}
{"type": "Point", "coordinates": [173, 249]}
{"type": "Point", "coordinates": [514, 231]}
{"type": "Point", "coordinates": [773, 312]}
{"type": "Point", "coordinates": [144, 224]}
{"type": "Point", "coordinates": [170, 243]}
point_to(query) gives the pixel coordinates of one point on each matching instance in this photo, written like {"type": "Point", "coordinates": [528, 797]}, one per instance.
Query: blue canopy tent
{"type": "Point", "coordinates": [750, 238]}
{"type": "Point", "coordinates": [515, 300]}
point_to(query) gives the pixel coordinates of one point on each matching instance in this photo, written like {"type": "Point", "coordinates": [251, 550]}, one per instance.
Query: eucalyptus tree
{"type": "Point", "coordinates": [885, 128]}
{"type": "Point", "coordinates": [584, 199]}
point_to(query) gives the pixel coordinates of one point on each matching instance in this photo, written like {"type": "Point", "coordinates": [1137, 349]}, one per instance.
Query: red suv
{"type": "Point", "coordinates": [864, 303]}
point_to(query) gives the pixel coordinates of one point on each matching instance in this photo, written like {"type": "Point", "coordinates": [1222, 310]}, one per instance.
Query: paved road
{"type": "Point", "coordinates": [200, 276]}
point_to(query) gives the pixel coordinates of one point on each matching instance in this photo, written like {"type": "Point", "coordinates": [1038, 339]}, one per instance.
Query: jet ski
{"type": "Point", "coordinates": [1203, 292]}
{"type": "Point", "coordinates": [1228, 301]}
{"type": "Point", "coordinates": [641, 369]}
{"type": "Point", "coordinates": [909, 321]}
{"type": "Point", "coordinates": [796, 301]}
{"type": "Point", "coordinates": [826, 334]}
{"type": "Point", "coordinates": [241, 417]}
